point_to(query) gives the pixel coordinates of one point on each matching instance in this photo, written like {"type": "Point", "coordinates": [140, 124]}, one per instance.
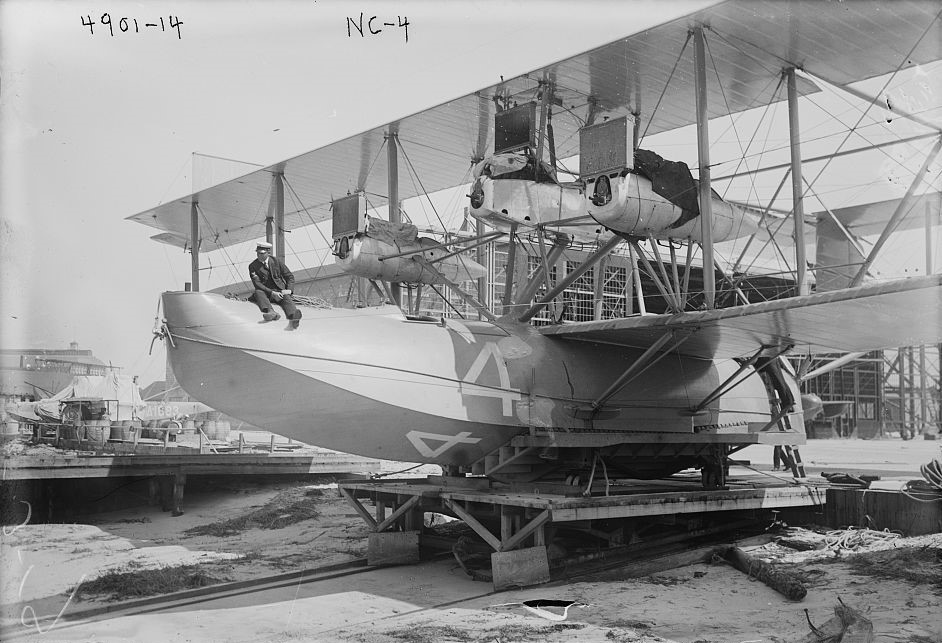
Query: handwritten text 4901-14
{"type": "Point", "coordinates": [132, 25]}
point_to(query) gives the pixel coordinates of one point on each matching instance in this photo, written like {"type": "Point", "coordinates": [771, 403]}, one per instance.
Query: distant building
{"type": "Point", "coordinates": [35, 373]}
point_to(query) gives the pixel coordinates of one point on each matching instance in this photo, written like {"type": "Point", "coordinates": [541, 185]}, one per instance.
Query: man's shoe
{"type": "Point", "coordinates": [271, 316]}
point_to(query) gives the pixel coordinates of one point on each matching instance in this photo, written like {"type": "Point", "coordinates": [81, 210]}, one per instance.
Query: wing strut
{"type": "Point", "coordinates": [471, 301]}
{"type": "Point", "coordinates": [195, 244]}
{"type": "Point", "coordinates": [510, 268]}
{"type": "Point", "coordinates": [479, 240]}
{"type": "Point", "coordinates": [649, 358]}
{"type": "Point", "coordinates": [762, 222]}
{"type": "Point", "coordinates": [798, 213]}
{"type": "Point", "coordinates": [675, 290]}
{"type": "Point", "coordinates": [590, 261]}
{"type": "Point", "coordinates": [729, 384]}
{"type": "Point", "coordinates": [669, 296]}
{"type": "Point", "coordinates": [541, 274]}
{"type": "Point", "coordinates": [392, 162]}
{"type": "Point", "coordinates": [703, 155]}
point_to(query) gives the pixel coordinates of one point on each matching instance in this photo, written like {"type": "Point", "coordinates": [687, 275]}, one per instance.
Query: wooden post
{"type": "Point", "coordinates": [506, 524]}
{"type": "Point", "coordinates": [153, 491]}
{"type": "Point", "coordinates": [272, 449]}
{"type": "Point", "coordinates": [179, 481]}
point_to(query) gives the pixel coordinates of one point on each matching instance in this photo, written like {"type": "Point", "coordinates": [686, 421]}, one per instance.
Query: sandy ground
{"type": "Point", "coordinates": [42, 565]}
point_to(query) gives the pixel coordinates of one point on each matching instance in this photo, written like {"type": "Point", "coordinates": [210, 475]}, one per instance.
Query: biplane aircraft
{"type": "Point", "coordinates": [665, 387]}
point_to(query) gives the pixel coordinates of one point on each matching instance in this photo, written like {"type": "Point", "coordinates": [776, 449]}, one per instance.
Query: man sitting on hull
{"type": "Point", "coordinates": [273, 282]}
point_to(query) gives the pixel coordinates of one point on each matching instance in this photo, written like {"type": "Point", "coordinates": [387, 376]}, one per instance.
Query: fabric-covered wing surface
{"type": "Point", "coordinates": [887, 315]}
{"type": "Point", "coordinates": [749, 43]}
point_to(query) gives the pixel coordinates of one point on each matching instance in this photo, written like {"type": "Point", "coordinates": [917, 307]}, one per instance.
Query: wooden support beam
{"type": "Point", "coordinates": [394, 516]}
{"type": "Point", "coordinates": [472, 522]}
{"type": "Point", "coordinates": [503, 462]}
{"type": "Point", "coordinates": [541, 519]}
{"type": "Point", "coordinates": [358, 506]}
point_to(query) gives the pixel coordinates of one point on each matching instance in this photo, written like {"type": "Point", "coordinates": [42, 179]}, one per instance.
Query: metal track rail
{"type": "Point", "coordinates": [190, 597]}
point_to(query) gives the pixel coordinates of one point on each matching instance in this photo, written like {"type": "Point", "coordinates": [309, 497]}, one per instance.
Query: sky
{"type": "Point", "coordinates": [95, 127]}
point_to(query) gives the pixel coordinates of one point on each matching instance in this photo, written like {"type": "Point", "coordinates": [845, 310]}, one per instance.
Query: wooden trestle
{"type": "Point", "coordinates": [518, 521]}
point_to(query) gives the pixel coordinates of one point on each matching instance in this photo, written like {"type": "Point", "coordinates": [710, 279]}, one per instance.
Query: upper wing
{"type": "Point", "coordinates": [750, 42]}
{"type": "Point", "coordinates": [888, 315]}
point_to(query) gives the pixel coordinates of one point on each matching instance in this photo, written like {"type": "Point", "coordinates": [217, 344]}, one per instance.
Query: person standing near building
{"type": "Point", "coordinates": [273, 282]}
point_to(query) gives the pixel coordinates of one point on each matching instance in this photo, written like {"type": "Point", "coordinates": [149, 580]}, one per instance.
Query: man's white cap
{"type": "Point", "coordinates": [263, 245]}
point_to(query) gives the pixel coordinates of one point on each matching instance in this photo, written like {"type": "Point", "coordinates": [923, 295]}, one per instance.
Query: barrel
{"type": "Point", "coordinates": [120, 430]}
{"type": "Point", "coordinates": [209, 429]}
{"type": "Point", "coordinates": [95, 429]}
{"type": "Point", "coordinates": [222, 430]}
{"type": "Point", "coordinates": [11, 428]}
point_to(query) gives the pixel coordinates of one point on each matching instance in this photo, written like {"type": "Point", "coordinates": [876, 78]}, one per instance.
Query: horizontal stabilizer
{"type": "Point", "coordinates": [180, 241]}
{"type": "Point", "coordinates": [892, 314]}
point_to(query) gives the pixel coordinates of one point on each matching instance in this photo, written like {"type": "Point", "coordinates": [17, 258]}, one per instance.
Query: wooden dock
{"type": "Point", "coordinates": [32, 473]}
{"type": "Point", "coordinates": [76, 465]}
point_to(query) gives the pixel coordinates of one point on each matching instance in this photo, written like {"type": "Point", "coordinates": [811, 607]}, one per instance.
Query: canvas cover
{"type": "Point", "coordinates": [111, 386]}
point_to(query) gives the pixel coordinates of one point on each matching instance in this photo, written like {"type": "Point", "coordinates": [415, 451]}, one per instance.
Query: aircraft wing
{"type": "Point", "coordinates": [870, 218]}
{"type": "Point", "coordinates": [906, 312]}
{"type": "Point", "coordinates": [865, 219]}
{"type": "Point", "coordinates": [749, 41]}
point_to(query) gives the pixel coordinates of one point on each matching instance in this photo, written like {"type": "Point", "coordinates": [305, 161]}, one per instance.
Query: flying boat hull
{"type": "Point", "coordinates": [374, 383]}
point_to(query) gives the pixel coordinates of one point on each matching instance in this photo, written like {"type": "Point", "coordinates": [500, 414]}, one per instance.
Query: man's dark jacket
{"type": "Point", "coordinates": [277, 278]}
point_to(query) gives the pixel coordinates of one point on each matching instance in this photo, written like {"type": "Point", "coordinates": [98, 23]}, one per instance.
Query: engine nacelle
{"type": "Point", "coordinates": [628, 204]}
{"type": "Point", "coordinates": [361, 255]}
{"type": "Point", "coordinates": [504, 194]}
{"type": "Point", "coordinates": [501, 202]}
